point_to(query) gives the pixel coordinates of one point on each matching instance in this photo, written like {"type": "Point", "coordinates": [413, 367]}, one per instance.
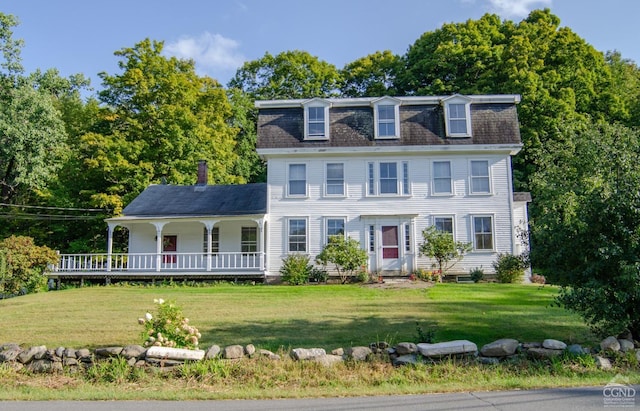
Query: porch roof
{"type": "Point", "coordinates": [199, 200]}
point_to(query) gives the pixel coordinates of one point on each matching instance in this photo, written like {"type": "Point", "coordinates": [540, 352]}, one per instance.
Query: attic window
{"type": "Point", "coordinates": [316, 120]}
{"type": "Point", "coordinates": [458, 118]}
{"type": "Point", "coordinates": [386, 115]}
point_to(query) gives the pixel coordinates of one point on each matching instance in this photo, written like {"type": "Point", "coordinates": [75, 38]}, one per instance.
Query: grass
{"type": "Point", "coordinates": [283, 317]}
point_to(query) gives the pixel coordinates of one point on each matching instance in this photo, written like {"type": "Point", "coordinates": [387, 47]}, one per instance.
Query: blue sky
{"type": "Point", "coordinates": [80, 36]}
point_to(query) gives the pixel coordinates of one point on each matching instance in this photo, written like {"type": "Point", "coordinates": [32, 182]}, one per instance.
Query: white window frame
{"type": "Point", "coordinates": [474, 177]}
{"type": "Point", "coordinates": [288, 235]}
{"type": "Point", "coordinates": [474, 233]}
{"type": "Point", "coordinates": [316, 103]}
{"type": "Point", "coordinates": [248, 246]}
{"type": "Point", "coordinates": [386, 101]}
{"type": "Point", "coordinates": [306, 182]}
{"type": "Point", "coordinates": [326, 180]}
{"type": "Point", "coordinates": [373, 180]}
{"type": "Point", "coordinates": [443, 216]}
{"type": "Point", "coordinates": [457, 100]}
{"type": "Point", "coordinates": [215, 240]}
{"type": "Point", "coordinates": [326, 226]}
{"type": "Point", "coordinates": [434, 177]}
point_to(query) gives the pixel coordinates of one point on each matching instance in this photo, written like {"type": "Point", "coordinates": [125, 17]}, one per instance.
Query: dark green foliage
{"type": "Point", "coordinates": [510, 268]}
{"type": "Point", "coordinates": [476, 274]}
{"type": "Point", "coordinates": [296, 269]}
{"type": "Point", "coordinates": [587, 235]}
{"type": "Point", "coordinates": [425, 336]}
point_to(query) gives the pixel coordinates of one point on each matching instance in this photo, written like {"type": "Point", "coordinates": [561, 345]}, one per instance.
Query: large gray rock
{"type": "Point", "coordinates": [212, 352]}
{"type": "Point", "coordinates": [9, 352]}
{"type": "Point", "coordinates": [300, 354]}
{"type": "Point", "coordinates": [270, 355]}
{"type": "Point", "coordinates": [328, 359]}
{"type": "Point", "coordinates": [106, 352]}
{"type": "Point", "coordinates": [33, 352]}
{"type": "Point", "coordinates": [133, 351]}
{"type": "Point", "coordinates": [405, 348]}
{"type": "Point", "coordinates": [176, 354]}
{"type": "Point", "coordinates": [625, 345]}
{"type": "Point", "coordinates": [603, 363]}
{"type": "Point", "coordinates": [457, 347]}
{"type": "Point", "coordinates": [489, 360]}
{"type": "Point", "coordinates": [249, 349]}
{"type": "Point", "coordinates": [43, 366]}
{"type": "Point", "coordinates": [610, 344]}
{"type": "Point", "coordinates": [359, 353]}
{"type": "Point", "coordinates": [576, 349]}
{"type": "Point", "coordinates": [408, 359]}
{"type": "Point", "coordinates": [500, 348]}
{"type": "Point", "coordinates": [84, 355]}
{"type": "Point", "coordinates": [233, 352]}
{"type": "Point", "coordinates": [552, 344]}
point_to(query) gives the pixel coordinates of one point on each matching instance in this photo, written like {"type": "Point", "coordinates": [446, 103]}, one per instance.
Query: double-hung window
{"type": "Point", "coordinates": [442, 177]}
{"type": "Point", "coordinates": [297, 235]}
{"type": "Point", "coordinates": [335, 226]}
{"type": "Point", "coordinates": [483, 233]}
{"type": "Point", "coordinates": [215, 239]}
{"type": "Point", "coordinates": [249, 240]}
{"type": "Point", "coordinates": [443, 224]}
{"type": "Point", "coordinates": [388, 178]}
{"type": "Point", "coordinates": [386, 115]}
{"type": "Point", "coordinates": [457, 112]}
{"type": "Point", "coordinates": [480, 179]}
{"type": "Point", "coordinates": [316, 119]}
{"type": "Point", "coordinates": [297, 180]}
{"type": "Point", "coordinates": [335, 179]}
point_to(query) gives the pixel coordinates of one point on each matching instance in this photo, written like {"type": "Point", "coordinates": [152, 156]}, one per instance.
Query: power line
{"type": "Point", "coordinates": [55, 208]}
{"type": "Point", "coordinates": [59, 217]}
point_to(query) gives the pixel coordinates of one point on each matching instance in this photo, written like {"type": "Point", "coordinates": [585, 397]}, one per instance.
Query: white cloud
{"type": "Point", "coordinates": [516, 8]}
{"type": "Point", "coordinates": [211, 52]}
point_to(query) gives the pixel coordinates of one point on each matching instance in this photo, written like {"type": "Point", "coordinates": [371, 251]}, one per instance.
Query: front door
{"type": "Point", "coordinates": [390, 247]}
{"type": "Point", "coordinates": [169, 246]}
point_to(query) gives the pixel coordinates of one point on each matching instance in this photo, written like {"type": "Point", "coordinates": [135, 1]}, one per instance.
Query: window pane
{"type": "Point", "coordinates": [388, 178]}
{"type": "Point", "coordinates": [335, 178]}
{"type": "Point", "coordinates": [371, 179]}
{"type": "Point", "coordinates": [442, 177]}
{"type": "Point", "coordinates": [456, 111]}
{"type": "Point", "coordinates": [386, 112]}
{"type": "Point", "coordinates": [458, 126]}
{"type": "Point", "coordinates": [405, 178]}
{"type": "Point", "coordinates": [444, 224]}
{"type": "Point", "coordinates": [480, 168]}
{"type": "Point", "coordinates": [297, 179]}
{"type": "Point", "coordinates": [316, 121]}
{"type": "Point", "coordinates": [298, 235]}
{"type": "Point", "coordinates": [249, 241]}
{"type": "Point", "coordinates": [387, 129]}
{"type": "Point", "coordinates": [335, 226]}
{"type": "Point", "coordinates": [316, 113]}
{"type": "Point", "coordinates": [480, 177]}
{"type": "Point", "coordinates": [483, 233]}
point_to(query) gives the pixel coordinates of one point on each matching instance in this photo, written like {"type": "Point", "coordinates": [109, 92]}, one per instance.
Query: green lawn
{"type": "Point", "coordinates": [283, 317]}
{"type": "Point", "coordinates": [273, 317]}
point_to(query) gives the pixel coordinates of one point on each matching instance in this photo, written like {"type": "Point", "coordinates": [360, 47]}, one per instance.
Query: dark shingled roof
{"type": "Point", "coordinates": [491, 123]}
{"type": "Point", "coordinates": [203, 200]}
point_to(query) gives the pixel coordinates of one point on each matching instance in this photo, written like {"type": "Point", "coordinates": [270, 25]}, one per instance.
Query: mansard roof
{"type": "Point", "coordinates": [494, 120]}
{"type": "Point", "coordinates": [166, 200]}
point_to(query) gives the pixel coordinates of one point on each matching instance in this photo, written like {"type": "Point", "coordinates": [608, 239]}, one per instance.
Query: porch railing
{"type": "Point", "coordinates": [160, 262]}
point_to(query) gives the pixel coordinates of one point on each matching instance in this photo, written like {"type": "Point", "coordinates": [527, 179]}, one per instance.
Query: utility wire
{"type": "Point", "coordinates": [54, 208]}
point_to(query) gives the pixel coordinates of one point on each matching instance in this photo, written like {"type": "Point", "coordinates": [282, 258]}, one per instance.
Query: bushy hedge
{"type": "Point", "coordinates": [23, 265]}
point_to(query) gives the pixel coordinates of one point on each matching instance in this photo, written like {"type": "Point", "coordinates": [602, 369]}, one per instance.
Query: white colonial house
{"type": "Point", "coordinates": [378, 170]}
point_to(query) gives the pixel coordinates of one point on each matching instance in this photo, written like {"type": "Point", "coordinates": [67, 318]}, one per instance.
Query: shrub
{"type": "Point", "coordinates": [476, 274]}
{"type": "Point", "coordinates": [23, 265]}
{"type": "Point", "coordinates": [509, 268]}
{"type": "Point", "coordinates": [318, 275]}
{"type": "Point", "coordinates": [442, 247]}
{"type": "Point", "coordinates": [345, 253]}
{"type": "Point", "coordinates": [296, 269]}
{"type": "Point", "coordinates": [538, 279]}
{"type": "Point", "coordinates": [425, 336]}
{"type": "Point", "coordinates": [168, 327]}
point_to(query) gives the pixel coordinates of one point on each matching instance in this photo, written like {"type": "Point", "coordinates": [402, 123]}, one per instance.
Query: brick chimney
{"type": "Point", "coordinates": [202, 172]}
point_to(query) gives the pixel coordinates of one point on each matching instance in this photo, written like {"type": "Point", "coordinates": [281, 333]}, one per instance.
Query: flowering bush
{"type": "Point", "coordinates": [168, 327]}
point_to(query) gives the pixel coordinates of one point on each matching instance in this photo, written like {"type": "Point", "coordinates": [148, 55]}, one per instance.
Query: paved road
{"type": "Point", "coordinates": [565, 399]}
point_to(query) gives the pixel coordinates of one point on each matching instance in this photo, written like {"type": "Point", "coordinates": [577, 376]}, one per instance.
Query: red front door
{"type": "Point", "coordinates": [169, 246]}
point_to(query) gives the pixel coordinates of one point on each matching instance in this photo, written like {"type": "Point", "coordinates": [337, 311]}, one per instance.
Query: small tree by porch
{"type": "Point", "coordinates": [345, 253]}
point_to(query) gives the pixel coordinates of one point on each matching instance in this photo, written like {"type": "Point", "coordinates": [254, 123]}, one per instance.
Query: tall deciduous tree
{"type": "Point", "coordinates": [371, 76]}
{"type": "Point", "coordinates": [588, 227]}
{"type": "Point", "coordinates": [160, 119]}
{"type": "Point", "coordinates": [288, 75]}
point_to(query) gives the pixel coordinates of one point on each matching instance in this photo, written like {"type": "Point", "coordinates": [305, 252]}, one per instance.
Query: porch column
{"type": "Point", "coordinates": [158, 226]}
{"type": "Point", "coordinates": [209, 226]}
{"type": "Point", "coordinates": [110, 228]}
{"type": "Point", "coordinates": [260, 245]}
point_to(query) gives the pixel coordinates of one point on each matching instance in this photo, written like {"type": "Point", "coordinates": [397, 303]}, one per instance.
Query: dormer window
{"type": "Point", "coordinates": [316, 120]}
{"type": "Point", "coordinates": [458, 116]}
{"type": "Point", "coordinates": [386, 113]}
